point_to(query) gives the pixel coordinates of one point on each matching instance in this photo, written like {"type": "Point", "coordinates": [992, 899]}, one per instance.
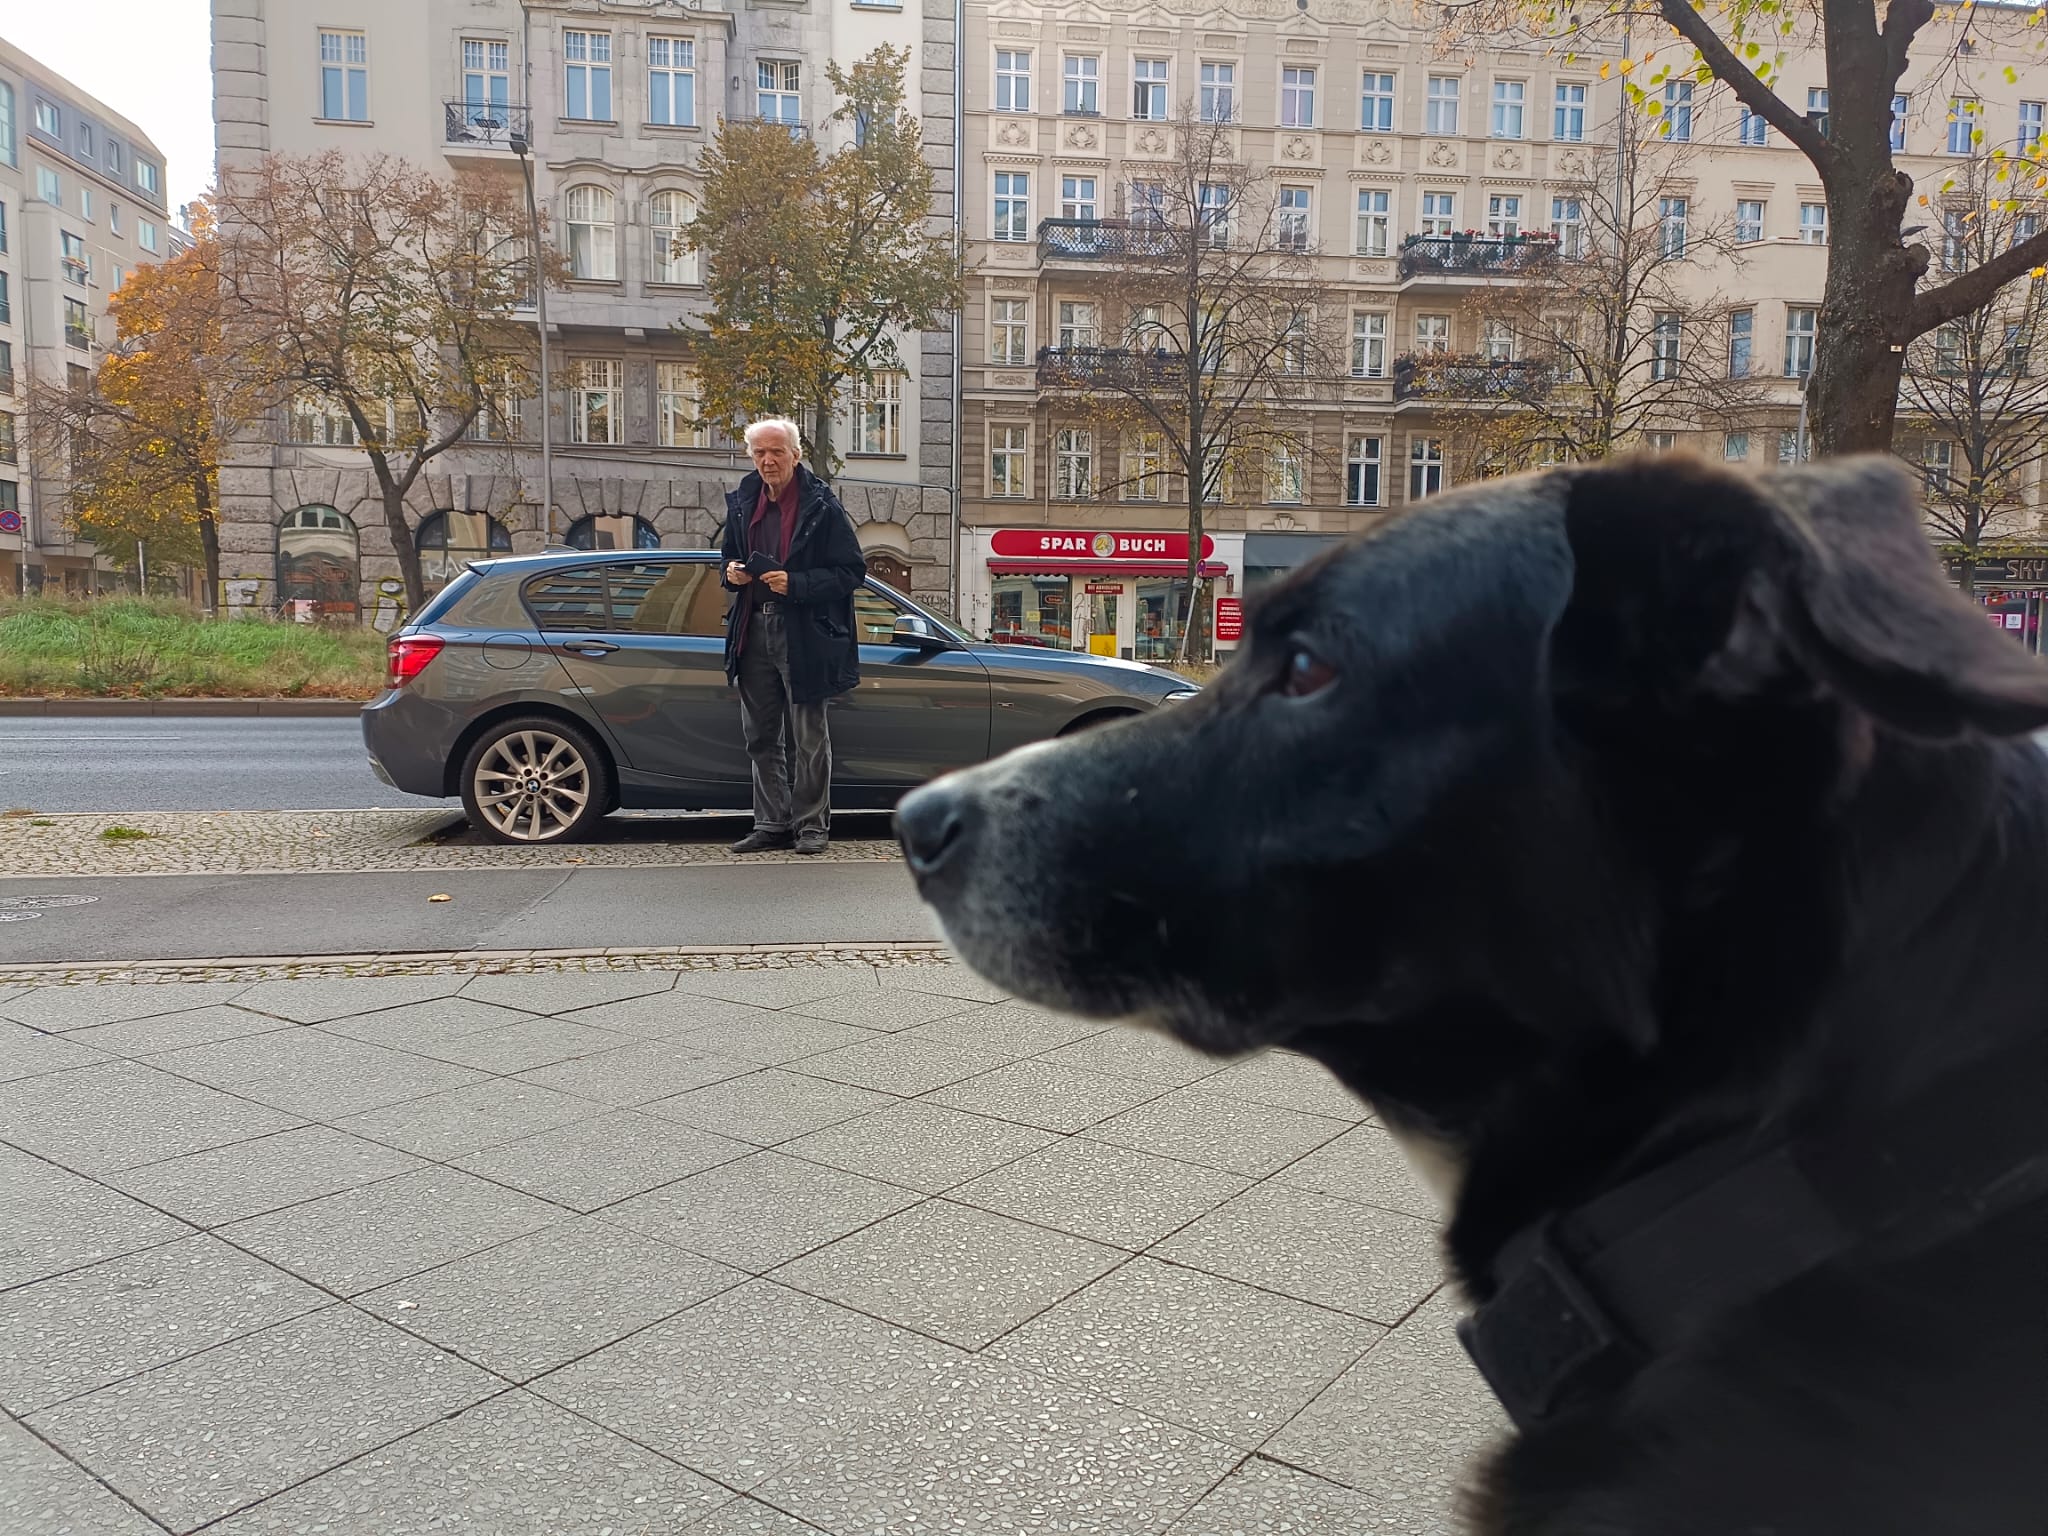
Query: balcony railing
{"type": "Point", "coordinates": [795, 129]}
{"type": "Point", "coordinates": [1473, 255]}
{"type": "Point", "coordinates": [1442, 377]}
{"type": "Point", "coordinates": [486, 125]}
{"type": "Point", "coordinates": [1095, 239]}
{"type": "Point", "coordinates": [1126, 367]}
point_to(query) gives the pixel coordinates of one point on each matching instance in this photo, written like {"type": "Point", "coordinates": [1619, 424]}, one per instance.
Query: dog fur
{"type": "Point", "coordinates": [1639, 805]}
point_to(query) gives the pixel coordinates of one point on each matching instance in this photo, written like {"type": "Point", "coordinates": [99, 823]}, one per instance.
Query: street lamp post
{"type": "Point", "coordinates": [540, 303]}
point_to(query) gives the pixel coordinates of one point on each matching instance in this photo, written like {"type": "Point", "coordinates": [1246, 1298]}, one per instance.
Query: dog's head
{"type": "Point", "coordinates": [1480, 755]}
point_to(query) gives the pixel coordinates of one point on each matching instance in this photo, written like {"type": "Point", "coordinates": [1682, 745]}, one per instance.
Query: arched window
{"type": "Point", "coordinates": [317, 561]}
{"type": "Point", "coordinates": [593, 233]}
{"type": "Point", "coordinates": [613, 533]}
{"type": "Point", "coordinates": [448, 541]}
{"type": "Point", "coordinates": [669, 215]}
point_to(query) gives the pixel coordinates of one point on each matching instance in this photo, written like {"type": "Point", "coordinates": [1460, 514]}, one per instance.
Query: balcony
{"type": "Point", "coordinates": [1440, 376]}
{"type": "Point", "coordinates": [1123, 367]}
{"type": "Point", "coordinates": [1095, 239]}
{"type": "Point", "coordinates": [795, 129]}
{"type": "Point", "coordinates": [485, 125]}
{"type": "Point", "coordinates": [1473, 255]}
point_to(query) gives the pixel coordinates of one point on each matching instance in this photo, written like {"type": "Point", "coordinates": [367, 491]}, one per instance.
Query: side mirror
{"type": "Point", "coordinates": [914, 631]}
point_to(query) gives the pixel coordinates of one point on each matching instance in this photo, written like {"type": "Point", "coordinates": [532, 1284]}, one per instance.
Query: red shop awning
{"type": "Point", "coordinates": [1043, 567]}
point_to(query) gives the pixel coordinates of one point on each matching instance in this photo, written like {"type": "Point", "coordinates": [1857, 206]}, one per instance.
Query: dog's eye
{"type": "Point", "coordinates": [1306, 673]}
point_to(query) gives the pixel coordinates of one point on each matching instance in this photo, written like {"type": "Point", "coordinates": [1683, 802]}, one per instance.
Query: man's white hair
{"type": "Point", "coordinates": [772, 423]}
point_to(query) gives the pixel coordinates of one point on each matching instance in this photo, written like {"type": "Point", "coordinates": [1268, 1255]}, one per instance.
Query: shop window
{"type": "Point", "coordinates": [1161, 614]}
{"type": "Point", "coordinates": [318, 562]}
{"type": "Point", "coordinates": [612, 533]}
{"type": "Point", "coordinates": [448, 541]}
{"type": "Point", "coordinates": [1033, 610]}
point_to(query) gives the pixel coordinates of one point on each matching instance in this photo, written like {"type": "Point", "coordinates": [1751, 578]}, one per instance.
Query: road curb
{"type": "Point", "coordinates": [239, 708]}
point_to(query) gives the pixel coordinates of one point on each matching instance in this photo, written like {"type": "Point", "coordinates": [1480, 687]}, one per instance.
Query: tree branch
{"type": "Point", "coordinates": [1766, 103]}
{"type": "Point", "coordinates": [1935, 307]}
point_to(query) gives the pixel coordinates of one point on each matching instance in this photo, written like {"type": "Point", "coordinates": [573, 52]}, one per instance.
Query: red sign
{"type": "Point", "coordinates": [1077, 544]}
{"type": "Point", "coordinates": [1104, 589]}
{"type": "Point", "coordinates": [1229, 618]}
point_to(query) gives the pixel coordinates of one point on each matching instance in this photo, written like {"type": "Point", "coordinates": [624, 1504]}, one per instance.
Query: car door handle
{"type": "Point", "coordinates": [589, 647]}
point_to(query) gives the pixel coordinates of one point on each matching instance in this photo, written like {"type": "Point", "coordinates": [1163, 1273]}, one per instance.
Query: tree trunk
{"type": "Point", "coordinates": [1865, 316]}
{"type": "Point", "coordinates": [209, 544]}
{"type": "Point", "coordinates": [403, 548]}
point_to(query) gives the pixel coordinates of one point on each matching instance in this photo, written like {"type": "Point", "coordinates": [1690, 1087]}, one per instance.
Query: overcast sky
{"type": "Point", "coordinates": [150, 60]}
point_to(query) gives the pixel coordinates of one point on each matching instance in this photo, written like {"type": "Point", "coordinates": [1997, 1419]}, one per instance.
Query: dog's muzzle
{"type": "Point", "coordinates": [935, 827]}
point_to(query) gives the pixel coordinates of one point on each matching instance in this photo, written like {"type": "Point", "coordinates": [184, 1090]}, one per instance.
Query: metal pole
{"type": "Point", "coordinates": [520, 147]}
{"type": "Point", "coordinates": [142, 564]}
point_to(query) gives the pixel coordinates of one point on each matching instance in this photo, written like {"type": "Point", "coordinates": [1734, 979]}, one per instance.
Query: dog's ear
{"type": "Point", "coordinates": [1693, 582]}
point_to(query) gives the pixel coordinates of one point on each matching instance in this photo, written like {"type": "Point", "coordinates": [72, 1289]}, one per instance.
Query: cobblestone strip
{"type": "Point", "coordinates": [480, 963]}
{"type": "Point", "coordinates": [335, 842]}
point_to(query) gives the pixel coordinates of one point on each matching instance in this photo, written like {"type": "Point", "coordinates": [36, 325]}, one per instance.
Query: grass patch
{"type": "Point", "coordinates": [124, 834]}
{"type": "Point", "coordinates": [153, 648]}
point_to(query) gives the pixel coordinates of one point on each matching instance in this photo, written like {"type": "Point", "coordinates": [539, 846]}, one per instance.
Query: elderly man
{"type": "Point", "coordinates": [792, 562]}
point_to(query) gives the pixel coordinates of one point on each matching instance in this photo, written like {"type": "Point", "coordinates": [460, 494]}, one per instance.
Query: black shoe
{"type": "Point", "coordinates": [812, 842]}
{"type": "Point", "coordinates": [761, 842]}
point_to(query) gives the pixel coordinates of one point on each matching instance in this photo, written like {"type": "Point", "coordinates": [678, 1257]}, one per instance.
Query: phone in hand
{"type": "Point", "coordinates": [759, 565]}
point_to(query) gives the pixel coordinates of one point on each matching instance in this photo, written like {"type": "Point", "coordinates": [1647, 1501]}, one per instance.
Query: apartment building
{"type": "Point", "coordinates": [81, 206]}
{"type": "Point", "coordinates": [616, 102]}
{"type": "Point", "coordinates": [1414, 177]}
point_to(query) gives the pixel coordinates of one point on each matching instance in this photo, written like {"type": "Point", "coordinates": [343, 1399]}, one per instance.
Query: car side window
{"type": "Point", "coordinates": [668, 597]}
{"type": "Point", "coordinates": [874, 616]}
{"type": "Point", "coordinates": [569, 601]}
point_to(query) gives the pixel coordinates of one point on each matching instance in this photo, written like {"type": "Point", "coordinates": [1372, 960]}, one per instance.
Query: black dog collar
{"type": "Point", "coordinates": [1587, 1298]}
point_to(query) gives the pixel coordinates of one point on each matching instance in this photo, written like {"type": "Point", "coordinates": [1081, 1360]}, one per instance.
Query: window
{"type": "Point", "coordinates": [320, 423]}
{"type": "Point", "coordinates": [1148, 205]}
{"type": "Point", "coordinates": [10, 154]}
{"type": "Point", "coordinates": [2030, 125]}
{"type": "Point", "coordinates": [1741, 343]}
{"type": "Point", "coordinates": [570, 601]}
{"type": "Point", "coordinates": [48, 121]}
{"type": "Point", "coordinates": [6, 318]}
{"type": "Point", "coordinates": [1073, 464]}
{"type": "Point", "coordinates": [1813, 223]}
{"type": "Point", "coordinates": [1284, 474]}
{"type": "Point", "coordinates": [593, 234]}
{"type": "Point", "coordinates": [1751, 129]}
{"type": "Point", "coordinates": [1297, 98]}
{"type": "Point", "coordinates": [2019, 350]}
{"type": "Point", "coordinates": [499, 419]}
{"type": "Point", "coordinates": [1432, 334]}
{"type": "Point", "coordinates": [878, 414]}
{"type": "Point", "coordinates": [1955, 239]}
{"type": "Point", "coordinates": [672, 81]}
{"type": "Point", "coordinates": [1006, 461]}
{"type": "Point", "coordinates": [1901, 103]}
{"type": "Point", "coordinates": [1440, 105]}
{"type": "Point", "coordinates": [1369, 346]}
{"type": "Point", "coordinates": [1735, 447]}
{"type": "Point", "coordinates": [1376, 103]}
{"type": "Point", "coordinates": [1013, 80]}
{"type": "Point", "coordinates": [669, 215]}
{"type": "Point", "coordinates": [85, 202]}
{"type": "Point", "coordinates": [10, 496]}
{"type": "Point", "coordinates": [146, 175]}
{"type": "Point", "coordinates": [1362, 472]}
{"type": "Point", "coordinates": [317, 561]}
{"type": "Point", "coordinates": [1789, 446]}
{"type": "Point", "coordinates": [1425, 467]}
{"type": "Point", "coordinates": [77, 325]}
{"type": "Point", "coordinates": [1077, 197]}
{"type": "Point", "coordinates": [3, 229]}
{"type": "Point", "coordinates": [2024, 227]}
{"type": "Point", "coordinates": [486, 81]}
{"type": "Point", "coordinates": [114, 156]}
{"type": "Point", "coordinates": [778, 91]}
{"type": "Point", "coordinates": [1144, 328]}
{"type": "Point", "coordinates": [1503, 216]}
{"type": "Point", "coordinates": [1077, 326]}
{"type": "Point", "coordinates": [1660, 442]}
{"type": "Point", "coordinates": [8, 452]}
{"type": "Point", "coordinates": [1749, 221]}
{"type": "Point", "coordinates": [1294, 218]}
{"type": "Point", "coordinates": [1219, 93]}
{"type": "Point", "coordinates": [1294, 328]}
{"type": "Point", "coordinates": [1568, 226]}
{"type": "Point", "coordinates": [1671, 226]}
{"type": "Point", "coordinates": [1375, 223]}
{"type": "Point", "coordinates": [1937, 460]}
{"type": "Point", "coordinates": [345, 76]}
{"type": "Point", "coordinates": [1801, 326]}
{"type": "Point", "coordinates": [1568, 118]}
{"type": "Point", "coordinates": [1013, 205]}
{"type": "Point", "coordinates": [1145, 467]}
{"type": "Point", "coordinates": [1665, 332]}
{"type": "Point", "coordinates": [113, 220]}
{"type": "Point", "coordinates": [1962, 124]}
{"type": "Point", "coordinates": [594, 402]}
{"type": "Point", "coordinates": [76, 263]}
{"type": "Point", "coordinates": [1678, 110]}
{"type": "Point", "coordinates": [48, 187]}
{"type": "Point", "coordinates": [1439, 212]}
{"type": "Point", "coordinates": [1081, 84]}
{"type": "Point", "coordinates": [145, 234]}
{"type": "Point", "coordinates": [1951, 346]}
{"type": "Point", "coordinates": [1509, 97]}
{"type": "Point", "coordinates": [679, 407]}
{"type": "Point", "coordinates": [588, 59]}
{"type": "Point", "coordinates": [631, 594]}
{"type": "Point", "coordinates": [1498, 341]}
{"type": "Point", "coordinates": [1148, 90]}
{"type": "Point", "coordinates": [1215, 212]}
{"type": "Point", "coordinates": [1007, 332]}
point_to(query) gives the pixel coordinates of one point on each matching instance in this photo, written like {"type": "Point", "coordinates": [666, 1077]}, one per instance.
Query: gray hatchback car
{"type": "Point", "coordinates": [549, 690]}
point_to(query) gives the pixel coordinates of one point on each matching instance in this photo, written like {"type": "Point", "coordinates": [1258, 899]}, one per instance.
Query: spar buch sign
{"type": "Point", "coordinates": [1078, 544]}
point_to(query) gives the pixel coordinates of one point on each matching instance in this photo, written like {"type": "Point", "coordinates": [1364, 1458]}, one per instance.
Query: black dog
{"type": "Point", "coordinates": [1661, 853]}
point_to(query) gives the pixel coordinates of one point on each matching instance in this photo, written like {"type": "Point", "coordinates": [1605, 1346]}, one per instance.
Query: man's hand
{"type": "Point", "coordinates": [736, 574]}
{"type": "Point", "coordinates": [776, 582]}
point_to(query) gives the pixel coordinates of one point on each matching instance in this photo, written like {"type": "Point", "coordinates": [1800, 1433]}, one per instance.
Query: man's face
{"type": "Point", "coordinates": [773, 459]}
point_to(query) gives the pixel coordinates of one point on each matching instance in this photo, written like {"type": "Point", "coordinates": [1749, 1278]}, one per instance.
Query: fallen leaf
{"type": "Point", "coordinates": [444, 896]}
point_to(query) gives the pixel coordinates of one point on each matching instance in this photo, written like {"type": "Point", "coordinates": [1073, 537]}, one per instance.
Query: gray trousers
{"type": "Point", "coordinates": [787, 742]}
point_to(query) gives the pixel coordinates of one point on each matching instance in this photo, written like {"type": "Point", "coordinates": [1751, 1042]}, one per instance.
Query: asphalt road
{"type": "Point", "coordinates": [182, 917]}
{"type": "Point", "coordinates": [143, 763]}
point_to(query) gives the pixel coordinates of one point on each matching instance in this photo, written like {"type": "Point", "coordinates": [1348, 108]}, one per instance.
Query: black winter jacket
{"type": "Point", "coordinates": [825, 565]}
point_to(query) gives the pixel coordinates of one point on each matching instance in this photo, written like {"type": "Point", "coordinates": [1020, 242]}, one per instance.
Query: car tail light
{"type": "Point", "coordinates": [406, 657]}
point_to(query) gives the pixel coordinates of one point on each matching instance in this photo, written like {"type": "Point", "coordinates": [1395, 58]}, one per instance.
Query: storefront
{"type": "Point", "coordinates": [2013, 592]}
{"type": "Point", "coordinates": [1111, 593]}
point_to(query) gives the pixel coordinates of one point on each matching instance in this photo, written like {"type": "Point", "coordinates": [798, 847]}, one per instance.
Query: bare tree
{"type": "Point", "coordinates": [373, 290]}
{"type": "Point", "coordinates": [1211, 335]}
{"type": "Point", "coordinates": [1975, 391]}
{"type": "Point", "coordinates": [1613, 327]}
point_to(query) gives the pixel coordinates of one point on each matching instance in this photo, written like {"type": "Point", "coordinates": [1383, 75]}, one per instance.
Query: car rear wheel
{"type": "Point", "coordinates": [535, 780]}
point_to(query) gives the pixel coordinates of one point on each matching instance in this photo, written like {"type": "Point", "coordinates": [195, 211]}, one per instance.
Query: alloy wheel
{"type": "Point", "coordinates": [532, 785]}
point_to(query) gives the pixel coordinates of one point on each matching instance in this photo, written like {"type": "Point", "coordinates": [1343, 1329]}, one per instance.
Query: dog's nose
{"type": "Point", "coordinates": [932, 826]}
